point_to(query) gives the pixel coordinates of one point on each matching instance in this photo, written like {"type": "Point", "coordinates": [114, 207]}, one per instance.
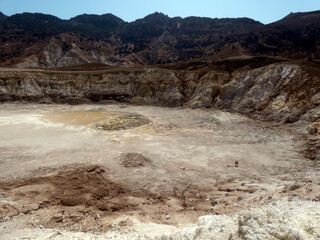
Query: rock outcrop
{"type": "Point", "coordinates": [281, 92]}
{"type": "Point", "coordinates": [314, 128]}
{"type": "Point", "coordinates": [278, 220]}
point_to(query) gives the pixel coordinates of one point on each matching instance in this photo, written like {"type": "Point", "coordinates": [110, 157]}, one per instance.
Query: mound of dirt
{"type": "Point", "coordinates": [86, 186]}
{"type": "Point", "coordinates": [126, 121]}
{"type": "Point", "coordinates": [134, 160]}
{"type": "Point", "coordinates": [82, 195]}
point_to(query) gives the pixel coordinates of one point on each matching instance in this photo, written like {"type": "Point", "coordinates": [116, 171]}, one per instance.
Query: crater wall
{"type": "Point", "coordinates": [281, 92]}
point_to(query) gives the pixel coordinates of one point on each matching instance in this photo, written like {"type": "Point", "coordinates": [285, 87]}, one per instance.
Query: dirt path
{"type": "Point", "coordinates": [155, 166]}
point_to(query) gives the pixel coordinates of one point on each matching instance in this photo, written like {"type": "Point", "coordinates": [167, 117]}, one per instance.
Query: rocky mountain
{"type": "Point", "coordinates": [2, 16]}
{"type": "Point", "coordinates": [39, 40]}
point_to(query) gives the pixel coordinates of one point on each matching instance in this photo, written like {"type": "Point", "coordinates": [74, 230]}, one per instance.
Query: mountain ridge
{"type": "Point", "coordinates": [42, 40]}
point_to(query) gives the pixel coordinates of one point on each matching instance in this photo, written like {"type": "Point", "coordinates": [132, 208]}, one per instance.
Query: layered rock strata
{"type": "Point", "coordinates": [282, 92]}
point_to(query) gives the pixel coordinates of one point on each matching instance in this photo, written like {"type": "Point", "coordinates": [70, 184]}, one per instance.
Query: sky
{"type": "Point", "coordinates": [265, 11]}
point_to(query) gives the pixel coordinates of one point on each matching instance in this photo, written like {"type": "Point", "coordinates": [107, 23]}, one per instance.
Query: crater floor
{"type": "Point", "coordinates": [140, 169]}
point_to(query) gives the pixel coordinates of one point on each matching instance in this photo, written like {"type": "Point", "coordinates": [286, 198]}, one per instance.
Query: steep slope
{"type": "Point", "coordinates": [299, 21]}
{"type": "Point", "coordinates": [2, 16]}
{"type": "Point", "coordinates": [295, 36]}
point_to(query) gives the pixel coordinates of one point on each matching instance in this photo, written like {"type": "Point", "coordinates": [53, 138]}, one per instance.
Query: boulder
{"type": "Point", "coordinates": [314, 128]}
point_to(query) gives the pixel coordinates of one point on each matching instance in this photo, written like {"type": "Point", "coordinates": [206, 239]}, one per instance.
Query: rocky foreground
{"type": "Point", "coordinates": [295, 219]}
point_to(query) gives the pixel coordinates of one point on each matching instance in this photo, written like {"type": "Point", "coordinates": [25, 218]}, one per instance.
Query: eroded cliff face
{"type": "Point", "coordinates": [282, 92]}
{"type": "Point", "coordinates": [147, 86]}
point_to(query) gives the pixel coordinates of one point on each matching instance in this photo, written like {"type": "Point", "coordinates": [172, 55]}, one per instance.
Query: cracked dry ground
{"type": "Point", "coordinates": [60, 171]}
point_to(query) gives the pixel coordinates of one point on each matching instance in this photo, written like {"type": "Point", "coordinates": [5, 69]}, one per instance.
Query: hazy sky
{"type": "Point", "coordinates": [265, 11]}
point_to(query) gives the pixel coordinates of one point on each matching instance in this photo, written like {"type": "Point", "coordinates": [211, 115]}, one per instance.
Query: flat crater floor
{"type": "Point", "coordinates": [92, 168]}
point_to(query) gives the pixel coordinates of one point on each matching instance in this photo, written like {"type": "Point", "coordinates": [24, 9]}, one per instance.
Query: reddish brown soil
{"type": "Point", "coordinates": [85, 199]}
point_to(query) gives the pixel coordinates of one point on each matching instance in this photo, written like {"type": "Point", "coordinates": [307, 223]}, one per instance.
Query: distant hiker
{"type": "Point", "coordinates": [236, 164]}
